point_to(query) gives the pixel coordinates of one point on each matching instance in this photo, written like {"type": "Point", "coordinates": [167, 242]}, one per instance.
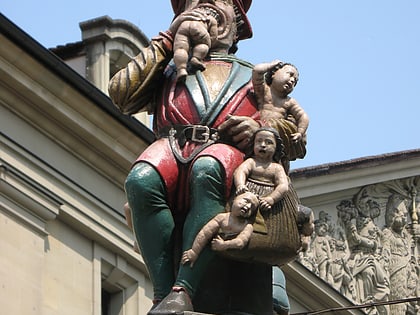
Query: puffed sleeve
{"type": "Point", "coordinates": [132, 88]}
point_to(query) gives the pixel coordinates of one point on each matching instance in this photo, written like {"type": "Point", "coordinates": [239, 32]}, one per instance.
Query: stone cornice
{"type": "Point", "coordinates": [63, 114]}
{"type": "Point", "coordinates": [35, 194]}
{"type": "Point", "coordinates": [31, 48]}
{"type": "Point", "coordinates": [345, 175]}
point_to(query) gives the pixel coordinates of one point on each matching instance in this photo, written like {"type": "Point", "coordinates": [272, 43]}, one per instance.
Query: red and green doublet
{"type": "Point", "coordinates": [189, 103]}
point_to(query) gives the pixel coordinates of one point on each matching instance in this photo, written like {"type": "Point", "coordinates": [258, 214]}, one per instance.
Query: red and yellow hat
{"type": "Point", "coordinates": [241, 8]}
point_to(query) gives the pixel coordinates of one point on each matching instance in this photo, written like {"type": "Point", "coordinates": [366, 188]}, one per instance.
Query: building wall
{"type": "Point", "coordinates": [64, 157]}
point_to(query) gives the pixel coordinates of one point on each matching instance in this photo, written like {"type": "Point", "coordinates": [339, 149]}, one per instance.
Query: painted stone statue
{"type": "Point", "coordinates": [203, 123]}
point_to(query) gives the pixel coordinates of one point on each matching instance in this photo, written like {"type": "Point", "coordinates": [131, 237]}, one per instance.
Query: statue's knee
{"type": "Point", "coordinates": [206, 169]}
{"type": "Point", "coordinates": [142, 179]}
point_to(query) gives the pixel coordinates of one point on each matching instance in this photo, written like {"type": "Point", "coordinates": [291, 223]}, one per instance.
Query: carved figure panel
{"type": "Point", "coordinates": [370, 252]}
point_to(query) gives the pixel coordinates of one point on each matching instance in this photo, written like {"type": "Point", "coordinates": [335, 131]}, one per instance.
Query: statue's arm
{"type": "Point", "coordinates": [261, 89]}
{"type": "Point", "coordinates": [361, 240]}
{"type": "Point", "coordinates": [241, 174]}
{"type": "Point", "coordinates": [281, 184]}
{"type": "Point", "coordinates": [258, 82]}
{"type": "Point", "coordinates": [238, 242]}
{"type": "Point", "coordinates": [131, 89]}
{"type": "Point", "coordinates": [302, 118]}
{"type": "Point", "coordinates": [201, 240]}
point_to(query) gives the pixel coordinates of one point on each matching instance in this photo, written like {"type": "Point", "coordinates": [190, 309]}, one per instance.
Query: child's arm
{"type": "Point", "coordinates": [258, 79]}
{"type": "Point", "coordinates": [241, 174]}
{"type": "Point", "coordinates": [281, 183]}
{"type": "Point", "coordinates": [302, 119]}
{"type": "Point", "coordinates": [203, 237]}
{"type": "Point", "coordinates": [239, 242]}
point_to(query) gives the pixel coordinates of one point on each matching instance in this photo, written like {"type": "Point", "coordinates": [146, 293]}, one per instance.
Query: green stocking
{"type": "Point", "coordinates": [207, 198]}
{"type": "Point", "coordinates": [153, 225]}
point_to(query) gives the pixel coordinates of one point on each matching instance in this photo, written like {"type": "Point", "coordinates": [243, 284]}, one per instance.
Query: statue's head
{"type": "Point", "coordinates": [279, 150]}
{"type": "Point", "coordinates": [235, 23]}
{"type": "Point", "coordinates": [305, 220]}
{"type": "Point", "coordinates": [281, 65]}
{"type": "Point", "coordinates": [245, 205]}
{"type": "Point", "coordinates": [396, 212]}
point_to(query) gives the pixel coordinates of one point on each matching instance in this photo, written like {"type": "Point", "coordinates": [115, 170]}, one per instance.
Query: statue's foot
{"type": "Point", "coordinates": [175, 303]}
{"type": "Point", "coordinates": [197, 64]}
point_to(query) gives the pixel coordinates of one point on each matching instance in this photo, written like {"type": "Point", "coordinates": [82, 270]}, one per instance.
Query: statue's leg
{"type": "Point", "coordinates": [207, 198]}
{"type": "Point", "coordinates": [153, 225]}
{"type": "Point", "coordinates": [280, 298]}
{"type": "Point", "coordinates": [181, 51]}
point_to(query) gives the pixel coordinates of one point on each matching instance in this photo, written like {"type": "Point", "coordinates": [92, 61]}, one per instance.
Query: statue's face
{"type": "Point", "coordinates": [400, 220]}
{"type": "Point", "coordinates": [265, 145]}
{"type": "Point", "coordinates": [308, 228]}
{"type": "Point", "coordinates": [244, 205]}
{"type": "Point", "coordinates": [285, 79]}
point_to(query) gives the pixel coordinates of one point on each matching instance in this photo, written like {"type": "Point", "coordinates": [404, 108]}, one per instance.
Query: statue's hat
{"type": "Point", "coordinates": [241, 8]}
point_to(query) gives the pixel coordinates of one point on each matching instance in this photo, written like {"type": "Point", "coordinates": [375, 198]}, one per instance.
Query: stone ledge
{"type": "Point", "coordinates": [235, 313]}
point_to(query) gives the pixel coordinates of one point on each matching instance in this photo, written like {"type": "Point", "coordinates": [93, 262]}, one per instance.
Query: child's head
{"type": "Point", "coordinates": [305, 220]}
{"type": "Point", "coordinates": [245, 204]}
{"type": "Point", "coordinates": [265, 134]}
{"type": "Point", "coordinates": [281, 75]}
{"type": "Point", "coordinates": [321, 228]}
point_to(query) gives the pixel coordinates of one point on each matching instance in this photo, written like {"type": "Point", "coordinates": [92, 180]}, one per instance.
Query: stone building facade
{"type": "Point", "coordinates": [64, 155]}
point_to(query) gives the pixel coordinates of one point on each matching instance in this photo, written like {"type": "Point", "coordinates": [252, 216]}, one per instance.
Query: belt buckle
{"type": "Point", "coordinates": [200, 133]}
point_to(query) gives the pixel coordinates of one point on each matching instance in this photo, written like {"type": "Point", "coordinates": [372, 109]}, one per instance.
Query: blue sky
{"type": "Point", "coordinates": [359, 61]}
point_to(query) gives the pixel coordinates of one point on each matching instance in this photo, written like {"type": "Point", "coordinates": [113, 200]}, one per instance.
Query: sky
{"type": "Point", "coordinates": [359, 61]}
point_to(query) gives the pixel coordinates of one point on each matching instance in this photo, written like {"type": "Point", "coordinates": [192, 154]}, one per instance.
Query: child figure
{"type": "Point", "coordinates": [262, 173]}
{"type": "Point", "coordinates": [273, 82]}
{"type": "Point", "coordinates": [228, 230]}
{"type": "Point", "coordinates": [196, 33]}
{"type": "Point", "coordinates": [306, 227]}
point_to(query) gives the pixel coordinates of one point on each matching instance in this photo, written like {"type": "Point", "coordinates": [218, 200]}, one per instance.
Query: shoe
{"type": "Point", "coordinates": [155, 304]}
{"type": "Point", "coordinates": [175, 303]}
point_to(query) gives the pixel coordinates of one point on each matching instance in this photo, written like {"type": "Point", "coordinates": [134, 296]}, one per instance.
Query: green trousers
{"type": "Point", "coordinates": [154, 224]}
{"type": "Point", "coordinates": [280, 299]}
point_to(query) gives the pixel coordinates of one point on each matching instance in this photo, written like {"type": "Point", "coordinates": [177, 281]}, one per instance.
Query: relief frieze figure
{"type": "Point", "coordinates": [372, 250]}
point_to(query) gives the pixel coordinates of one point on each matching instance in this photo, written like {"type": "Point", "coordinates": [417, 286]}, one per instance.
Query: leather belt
{"type": "Point", "coordinates": [179, 134]}
{"type": "Point", "coordinates": [196, 133]}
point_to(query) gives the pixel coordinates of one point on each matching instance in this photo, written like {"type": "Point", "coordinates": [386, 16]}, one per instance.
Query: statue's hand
{"type": "Point", "coordinates": [239, 129]}
{"type": "Point", "coordinates": [191, 15]}
{"type": "Point", "coordinates": [275, 62]}
{"type": "Point", "coordinates": [296, 136]}
{"type": "Point", "coordinates": [189, 256]}
{"type": "Point", "coordinates": [266, 203]}
{"type": "Point", "coordinates": [241, 189]}
{"type": "Point", "coordinates": [218, 244]}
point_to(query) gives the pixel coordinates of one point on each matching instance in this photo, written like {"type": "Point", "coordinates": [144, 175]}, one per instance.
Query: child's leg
{"type": "Point", "coordinates": [181, 50]}
{"type": "Point", "coordinates": [199, 53]}
{"type": "Point", "coordinates": [201, 38]}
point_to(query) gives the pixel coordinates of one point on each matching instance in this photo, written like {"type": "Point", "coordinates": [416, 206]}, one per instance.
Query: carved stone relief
{"type": "Point", "coordinates": [370, 252]}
